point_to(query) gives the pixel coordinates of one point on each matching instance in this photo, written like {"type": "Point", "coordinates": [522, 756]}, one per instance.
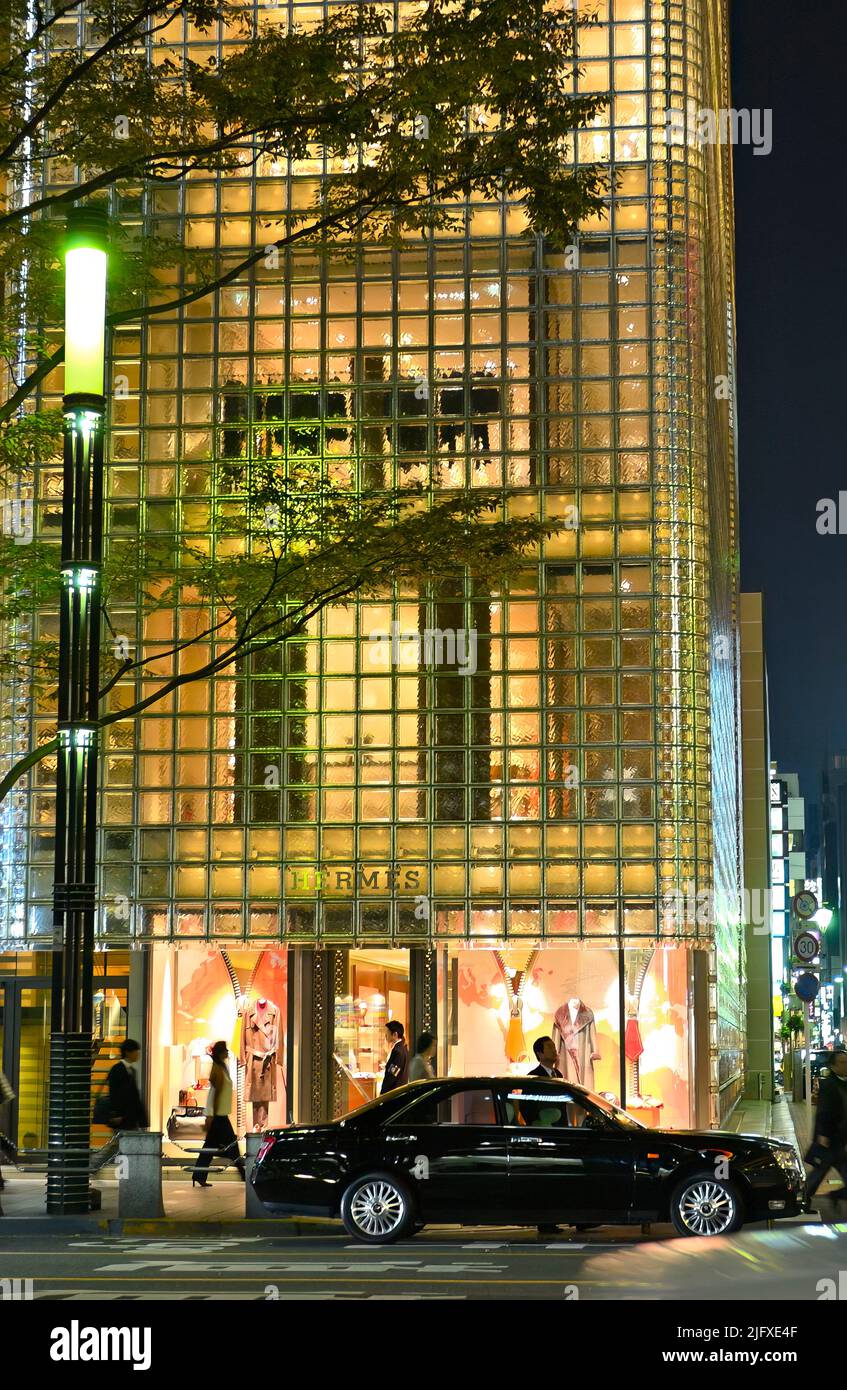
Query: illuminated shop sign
{"type": "Point", "coordinates": [388, 878]}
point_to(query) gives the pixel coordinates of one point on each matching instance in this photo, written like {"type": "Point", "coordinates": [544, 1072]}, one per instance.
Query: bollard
{"type": "Point", "coordinates": [253, 1207]}
{"type": "Point", "coordinates": [140, 1173]}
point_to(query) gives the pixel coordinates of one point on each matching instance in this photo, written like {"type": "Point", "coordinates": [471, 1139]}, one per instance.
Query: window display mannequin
{"type": "Point", "coordinates": [575, 1036]}
{"type": "Point", "coordinates": [515, 978]}
{"type": "Point", "coordinates": [257, 1054]}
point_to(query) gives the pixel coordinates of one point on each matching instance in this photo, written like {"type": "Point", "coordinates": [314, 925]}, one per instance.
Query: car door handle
{"type": "Point", "coordinates": [527, 1139]}
{"type": "Point", "coordinates": [403, 1138]}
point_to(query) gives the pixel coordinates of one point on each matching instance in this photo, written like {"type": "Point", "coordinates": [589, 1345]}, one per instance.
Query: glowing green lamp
{"type": "Point", "coordinates": [85, 301]}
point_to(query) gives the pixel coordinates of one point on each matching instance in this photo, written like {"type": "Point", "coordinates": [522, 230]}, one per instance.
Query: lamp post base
{"type": "Point", "coordinates": [69, 1124]}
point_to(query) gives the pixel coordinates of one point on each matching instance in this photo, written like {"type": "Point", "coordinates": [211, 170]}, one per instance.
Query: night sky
{"type": "Point", "coordinates": [792, 312]}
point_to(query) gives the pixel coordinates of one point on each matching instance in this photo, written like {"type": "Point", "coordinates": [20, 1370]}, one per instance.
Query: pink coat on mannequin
{"type": "Point", "coordinates": [576, 1044]}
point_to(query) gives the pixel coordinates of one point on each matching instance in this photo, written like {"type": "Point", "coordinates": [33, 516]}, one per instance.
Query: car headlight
{"type": "Point", "coordinates": [789, 1161]}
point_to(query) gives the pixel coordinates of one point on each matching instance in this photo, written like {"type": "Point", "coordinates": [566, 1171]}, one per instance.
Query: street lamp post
{"type": "Point", "coordinates": [75, 856]}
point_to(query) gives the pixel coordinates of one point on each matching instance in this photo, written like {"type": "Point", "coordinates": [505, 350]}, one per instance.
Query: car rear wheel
{"type": "Point", "coordinates": [703, 1205]}
{"type": "Point", "coordinates": [378, 1209]}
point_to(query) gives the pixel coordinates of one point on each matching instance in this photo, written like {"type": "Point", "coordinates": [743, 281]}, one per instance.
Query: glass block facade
{"type": "Point", "coordinates": [587, 765]}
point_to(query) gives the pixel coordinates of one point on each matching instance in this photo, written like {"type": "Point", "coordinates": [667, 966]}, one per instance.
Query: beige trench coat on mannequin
{"type": "Point", "coordinates": [576, 1044]}
{"type": "Point", "coordinates": [259, 1040]}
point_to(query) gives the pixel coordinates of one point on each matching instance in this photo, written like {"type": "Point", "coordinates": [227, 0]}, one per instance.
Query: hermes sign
{"type": "Point", "coordinates": [353, 878]}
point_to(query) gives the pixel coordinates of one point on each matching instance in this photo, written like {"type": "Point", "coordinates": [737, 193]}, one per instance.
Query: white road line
{"type": "Point", "coordinates": [263, 1267]}
{"type": "Point", "coordinates": [294, 1296]}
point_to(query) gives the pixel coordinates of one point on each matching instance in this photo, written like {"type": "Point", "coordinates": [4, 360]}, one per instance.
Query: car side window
{"type": "Point", "coordinates": [537, 1106]}
{"type": "Point", "coordinates": [472, 1106]}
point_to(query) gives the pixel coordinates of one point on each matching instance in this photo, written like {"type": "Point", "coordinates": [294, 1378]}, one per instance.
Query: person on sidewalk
{"type": "Point", "coordinates": [7, 1095]}
{"type": "Point", "coordinates": [397, 1066]}
{"type": "Point", "coordinates": [829, 1146]}
{"type": "Point", "coordinates": [221, 1138]}
{"type": "Point", "coordinates": [126, 1108]}
{"type": "Point", "coordinates": [422, 1065]}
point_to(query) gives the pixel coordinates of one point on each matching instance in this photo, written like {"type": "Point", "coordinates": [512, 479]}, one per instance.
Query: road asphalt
{"type": "Point", "coordinates": [444, 1263]}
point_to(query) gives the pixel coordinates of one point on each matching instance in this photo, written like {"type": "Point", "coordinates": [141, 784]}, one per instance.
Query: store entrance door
{"type": "Point", "coordinates": [25, 1058]}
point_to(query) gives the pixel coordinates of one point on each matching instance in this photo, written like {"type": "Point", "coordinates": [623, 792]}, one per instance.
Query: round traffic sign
{"type": "Point", "coordinates": [806, 946]}
{"type": "Point", "coordinates": [805, 904]}
{"type": "Point", "coordinates": [806, 987]}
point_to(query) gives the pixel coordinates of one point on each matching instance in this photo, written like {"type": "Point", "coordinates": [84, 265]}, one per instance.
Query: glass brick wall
{"type": "Point", "coordinates": [587, 766]}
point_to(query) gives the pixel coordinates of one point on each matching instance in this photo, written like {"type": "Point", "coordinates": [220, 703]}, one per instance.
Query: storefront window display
{"type": "Point", "coordinates": [200, 995]}
{"type": "Point", "coordinates": [619, 1020]}
{"type": "Point", "coordinates": [25, 993]}
{"type": "Point", "coordinates": [375, 991]}
{"type": "Point", "coordinates": [658, 1036]}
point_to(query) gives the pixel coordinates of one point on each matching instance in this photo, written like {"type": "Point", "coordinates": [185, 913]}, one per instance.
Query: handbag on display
{"type": "Point", "coordinates": [186, 1122]}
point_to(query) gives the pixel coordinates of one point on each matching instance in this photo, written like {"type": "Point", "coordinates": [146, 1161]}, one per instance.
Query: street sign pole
{"type": "Point", "coordinates": [809, 1008]}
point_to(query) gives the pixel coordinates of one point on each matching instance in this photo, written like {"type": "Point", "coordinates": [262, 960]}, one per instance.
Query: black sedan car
{"type": "Point", "coordinates": [519, 1151]}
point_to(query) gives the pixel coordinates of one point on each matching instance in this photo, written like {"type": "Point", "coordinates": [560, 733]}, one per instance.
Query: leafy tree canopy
{"type": "Point", "coordinates": [470, 99]}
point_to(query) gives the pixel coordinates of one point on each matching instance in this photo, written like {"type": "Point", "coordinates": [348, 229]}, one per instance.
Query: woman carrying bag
{"type": "Point", "coordinates": [220, 1135]}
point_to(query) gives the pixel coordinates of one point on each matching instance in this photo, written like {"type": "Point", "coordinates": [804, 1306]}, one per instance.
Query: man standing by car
{"type": "Point", "coordinates": [829, 1148]}
{"type": "Point", "coordinates": [397, 1066]}
{"type": "Point", "coordinates": [545, 1053]}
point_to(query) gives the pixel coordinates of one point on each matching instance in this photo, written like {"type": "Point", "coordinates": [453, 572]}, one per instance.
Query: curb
{"type": "Point", "coordinates": [259, 1226]}
{"type": "Point", "coordinates": [51, 1225]}
{"type": "Point", "coordinates": [165, 1226]}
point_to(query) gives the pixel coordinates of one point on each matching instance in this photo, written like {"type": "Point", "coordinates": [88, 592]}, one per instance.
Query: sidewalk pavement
{"type": "Point", "coordinates": [770, 1119]}
{"type": "Point", "coordinates": [214, 1210]}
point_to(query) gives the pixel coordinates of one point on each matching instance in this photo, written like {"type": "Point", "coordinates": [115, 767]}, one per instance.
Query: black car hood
{"type": "Point", "coordinates": [710, 1138]}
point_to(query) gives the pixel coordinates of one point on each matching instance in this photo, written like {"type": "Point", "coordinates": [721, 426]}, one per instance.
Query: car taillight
{"type": "Point", "coordinates": [265, 1149]}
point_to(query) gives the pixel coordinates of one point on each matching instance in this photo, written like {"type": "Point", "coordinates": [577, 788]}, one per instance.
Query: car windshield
{"type": "Point", "coordinates": [394, 1100]}
{"type": "Point", "coordinates": [614, 1112]}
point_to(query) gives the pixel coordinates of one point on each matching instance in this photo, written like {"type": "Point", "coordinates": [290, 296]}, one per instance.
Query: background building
{"type": "Point", "coordinates": [488, 854]}
{"type": "Point", "coordinates": [758, 850]}
{"type": "Point", "coordinates": [833, 869]}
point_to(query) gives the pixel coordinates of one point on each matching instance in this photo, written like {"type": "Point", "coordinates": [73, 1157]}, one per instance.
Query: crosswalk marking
{"type": "Point", "coordinates": [269, 1266]}
{"type": "Point", "coordinates": [293, 1296]}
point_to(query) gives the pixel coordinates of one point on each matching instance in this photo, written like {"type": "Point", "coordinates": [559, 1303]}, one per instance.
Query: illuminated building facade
{"type": "Point", "coordinates": [468, 849]}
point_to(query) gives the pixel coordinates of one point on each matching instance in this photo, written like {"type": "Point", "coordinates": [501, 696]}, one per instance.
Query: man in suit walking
{"type": "Point", "coordinates": [545, 1053]}
{"type": "Point", "coordinates": [126, 1108]}
{"type": "Point", "coordinates": [829, 1147]}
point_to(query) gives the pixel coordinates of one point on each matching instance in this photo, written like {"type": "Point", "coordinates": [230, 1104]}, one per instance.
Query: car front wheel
{"type": "Point", "coordinates": [377, 1209]}
{"type": "Point", "coordinates": [704, 1205]}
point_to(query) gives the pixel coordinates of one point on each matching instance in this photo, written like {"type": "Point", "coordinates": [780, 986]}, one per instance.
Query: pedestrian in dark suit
{"type": "Point", "coordinates": [545, 1052]}
{"type": "Point", "coordinates": [126, 1108]}
{"type": "Point", "coordinates": [397, 1066]}
{"type": "Point", "coordinates": [829, 1147]}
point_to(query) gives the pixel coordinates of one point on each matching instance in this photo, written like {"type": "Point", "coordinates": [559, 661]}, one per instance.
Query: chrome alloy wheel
{"type": "Point", "coordinates": [706, 1208]}
{"type": "Point", "coordinates": [377, 1208]}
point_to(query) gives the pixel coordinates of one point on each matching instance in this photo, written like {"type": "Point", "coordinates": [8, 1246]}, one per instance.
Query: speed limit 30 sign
{"type": "Point", "coordinates": [806, 946]}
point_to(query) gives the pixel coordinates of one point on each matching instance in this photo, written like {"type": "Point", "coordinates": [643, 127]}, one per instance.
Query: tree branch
{"type": "Point", "coordinates": [38, 32]}
{"type": "Point", "coordinates": [37, 118]}
{"type": "Point", "coordinates": [24, 764]}
{"type": "Point", "coordinates": [359, 209]}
